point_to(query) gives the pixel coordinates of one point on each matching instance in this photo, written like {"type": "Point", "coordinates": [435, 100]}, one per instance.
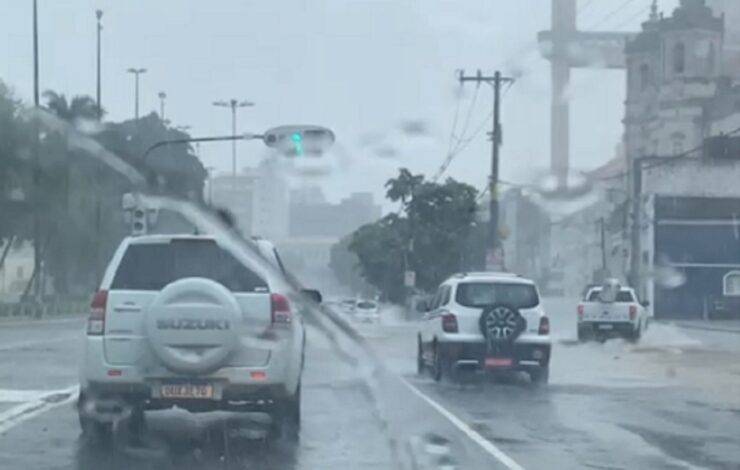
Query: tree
{"type": "Point", "coordinates": [81, 107]}
{"type": "Point", "coordinates": [76, 196]}
{"type": "Point", "coordinates": [434, 235]}
{"type": "Point", "coordinates": [346, 266]}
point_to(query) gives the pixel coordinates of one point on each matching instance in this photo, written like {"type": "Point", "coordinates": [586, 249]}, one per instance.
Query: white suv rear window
{"type": "Point", "coordinates": [483, 294]}
{"type": "Point", "coordinates": [153, 266]}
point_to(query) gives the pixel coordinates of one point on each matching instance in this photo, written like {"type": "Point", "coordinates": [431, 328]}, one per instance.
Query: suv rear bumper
{"type": "Point", "coordinates": [115, 399]}
{"type": "Point", "coordinates": [117, 388]}
{"type": "Point", "coordinates": [606, 328]}
{"type": "Point", "coordinates": [472, 355]}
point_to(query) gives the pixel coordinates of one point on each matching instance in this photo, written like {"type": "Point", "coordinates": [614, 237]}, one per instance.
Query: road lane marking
{"type": "Point", "coordinates": [20, 396]}
{"type": "Point", "coordinates": [46, 402]}
{"type": "Point", "coordinates": [26, 344]}
{"type": "Point", "coordinates": [41, 321]}
{"type": "Point", "coordinates": [471, 433]}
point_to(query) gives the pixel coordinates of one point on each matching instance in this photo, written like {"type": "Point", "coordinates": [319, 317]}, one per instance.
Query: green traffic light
{"type": "Point", "coordinates": [297, 139]}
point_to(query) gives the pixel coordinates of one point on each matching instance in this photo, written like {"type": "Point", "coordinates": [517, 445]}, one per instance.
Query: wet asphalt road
{"type": "Point", "coordinates": [672, 401]}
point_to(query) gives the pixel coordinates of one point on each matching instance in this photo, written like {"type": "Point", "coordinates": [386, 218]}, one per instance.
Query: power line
{"type": "Point", "coordinates": [464, 143]}
{"type": "Point", "coordinates": [610, 15]}
{"type": "Point", "coordinates": [585, 6]}
{"type": "Point", "coordinates": [637, 14]}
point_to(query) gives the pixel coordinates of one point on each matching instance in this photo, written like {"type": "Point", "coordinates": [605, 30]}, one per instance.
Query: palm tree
{"type": "Point", "coordinates": [81, 106]}
{"type": "Point", "coordinates": [402, 188]}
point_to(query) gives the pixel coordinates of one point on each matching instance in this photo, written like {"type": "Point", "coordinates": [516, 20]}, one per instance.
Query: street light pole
{"type": "Point", "coordinates": [233, 104]}
{"type": "Point", "coordinates": [36, 171]}
{"type": "Point", "coordinates": [162, 96]}
{"type": "Point", "coordinates": [136, 73]}
{"type": "Point", "coordinates": [99, 16]}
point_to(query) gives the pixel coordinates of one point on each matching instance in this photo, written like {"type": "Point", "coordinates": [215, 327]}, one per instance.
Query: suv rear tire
{"type": "Point", "coordinates": [540, 376]}
{"type": "Point", "coordinates": [437, 363]}
{"type": "Point", "coordinates": [286, 418]}
{"type": "Point", "coordinates": [419, 357]}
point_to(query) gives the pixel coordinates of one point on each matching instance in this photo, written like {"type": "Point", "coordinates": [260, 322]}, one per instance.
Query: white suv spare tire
{"type": "Point", "coordinates": [191, 325]}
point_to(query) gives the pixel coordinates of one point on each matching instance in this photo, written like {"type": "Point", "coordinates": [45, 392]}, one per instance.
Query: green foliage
{"type": "Point", "coordinates": [432, 235]}
{"type": "Point", "coordinates": [79, 198]}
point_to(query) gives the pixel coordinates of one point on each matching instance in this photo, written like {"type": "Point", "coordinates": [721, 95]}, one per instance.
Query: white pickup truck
{"type": "Point", "coordinates": [602, 316]}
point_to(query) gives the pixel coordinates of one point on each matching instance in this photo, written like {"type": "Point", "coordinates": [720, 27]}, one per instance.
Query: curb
{"type": "Point", "coordinates": [719, 329]}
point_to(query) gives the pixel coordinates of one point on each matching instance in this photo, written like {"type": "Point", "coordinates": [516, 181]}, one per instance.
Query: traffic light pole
{"type": "Point", "coordinates": [496, 81]}
{"type": "Point", "coordinates": [189, 140]}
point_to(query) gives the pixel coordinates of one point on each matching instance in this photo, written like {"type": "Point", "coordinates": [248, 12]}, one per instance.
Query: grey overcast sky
{"type": "Point", "coordinates": [360, 67]}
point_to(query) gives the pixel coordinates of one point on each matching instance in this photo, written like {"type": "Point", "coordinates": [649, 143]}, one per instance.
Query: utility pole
{"type": "Point", "coordinates": [635, 245]}
{"type": "Point", "coordinates": [136, 73]}
{"type": "Point", "coordinates": [495, 255]}
{"type": "Point", "coordinates": [99, 16]}
{"type": "Point", "coordinates": [210, 170]}
{"type": "Point", "coordinates": [162, 96]}
{"type": "Point", "coordinates": [36, 170]}
{"type": "Point", "coordinates": [603, 245]}
{"type": "Point", "coordinates": [233, 104]}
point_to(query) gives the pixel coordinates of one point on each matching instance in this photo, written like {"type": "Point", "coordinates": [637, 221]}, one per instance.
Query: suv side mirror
{"type": "Point", "coordinates": [312, 294]}
{"type": "Point", "coordinates": [645, 303]}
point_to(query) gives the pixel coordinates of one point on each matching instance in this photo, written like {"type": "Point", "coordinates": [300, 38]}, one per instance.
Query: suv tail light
{"type": "Point", "coordinates": [581, 308]}
{"type": "Point", "coordinates": [281, 314]}
{"type": "Point", "coordinates": [544, 326]}
{"type": "Point", "coordinates": [449, 323]}
{"type": "Point", "coordinates": [96, 320]}
{"type": "Point", "coordinates": [633, 312]}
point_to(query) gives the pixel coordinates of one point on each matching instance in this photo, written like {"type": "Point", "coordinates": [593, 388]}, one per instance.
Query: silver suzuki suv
{"type": "Point", "coordinates": [179, 321]}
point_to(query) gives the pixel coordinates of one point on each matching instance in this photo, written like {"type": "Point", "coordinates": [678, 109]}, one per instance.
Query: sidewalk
{"type": "Point", "coordinates": [727, 326]}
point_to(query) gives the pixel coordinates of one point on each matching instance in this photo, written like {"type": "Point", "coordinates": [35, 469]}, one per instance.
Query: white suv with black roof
{"type": "Point", "coordinates": [485, 322]}
{"type": "Point", "coordinates": [179, 321]}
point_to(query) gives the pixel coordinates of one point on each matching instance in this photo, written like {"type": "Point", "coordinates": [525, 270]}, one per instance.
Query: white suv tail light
{"type": "Point", "coordinates": [633, 312]}
{"type": "Point", "coordinates": [96, 320]}
{"type": "Point", "coordinates": [544, 326]}
{"type": "Point", "coordinates": [281, 313]}
{"type": "Point", "coordinates": [449, 323]}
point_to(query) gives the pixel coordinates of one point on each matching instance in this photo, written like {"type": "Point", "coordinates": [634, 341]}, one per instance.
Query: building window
{"type": "Point", "coordinates": [644, 76]}
{"type": "Point", "coordinates": [679, 58]}
{"type": "Point", "coordinates": [710, 59]}
{"type": "Point", "coordinates": [731, 284]}
{"type": "Point", "coordinates": [678, 139]}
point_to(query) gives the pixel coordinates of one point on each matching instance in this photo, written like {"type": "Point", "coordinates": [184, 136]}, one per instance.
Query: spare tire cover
{"type": "Point", "coordinates": [501, 323]}
{"type": "Point", "coordinates": [191, 325]}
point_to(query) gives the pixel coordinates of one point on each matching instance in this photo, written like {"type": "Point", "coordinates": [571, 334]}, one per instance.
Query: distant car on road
{"type": "Point", "coordinates": [367, 311]}
{"type": "Point", "coordinates": [485, 322]}
{"type": "Point", "coordinates": [167, 327]}
{"type": "Point", "coordinates": [612, 310]}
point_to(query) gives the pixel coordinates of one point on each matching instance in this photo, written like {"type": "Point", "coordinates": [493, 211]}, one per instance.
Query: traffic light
{"type": "Point", "coordinates": [138, 214]}
{"type": "Point", "coordinates": [139, 224]}
{"type": "Point", "coordinates": [297, 139]}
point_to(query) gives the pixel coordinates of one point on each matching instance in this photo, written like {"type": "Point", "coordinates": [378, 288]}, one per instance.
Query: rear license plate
{"type": "Point", "coordinates": [606, 327]}
{"type": "Point", "coordinates": [197, 391]}
{"type": "Point", "coordinates": [493, 362]}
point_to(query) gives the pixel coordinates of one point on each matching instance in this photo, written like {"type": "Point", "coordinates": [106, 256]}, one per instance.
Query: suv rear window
{"type": "Point", "coordinates": [483, 294]}
{"type": "Point", "coordinates": [365, 305]}
{"type": "Point", "coordinates": [622, 296]}
{"type": "Point", "coordinates": [153, 266]}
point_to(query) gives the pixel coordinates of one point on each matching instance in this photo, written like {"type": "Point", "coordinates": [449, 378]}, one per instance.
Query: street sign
{"type": "Point", "coordinates": [495, 259]}
{"type": "Point", "coordinates": [409, 279]}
